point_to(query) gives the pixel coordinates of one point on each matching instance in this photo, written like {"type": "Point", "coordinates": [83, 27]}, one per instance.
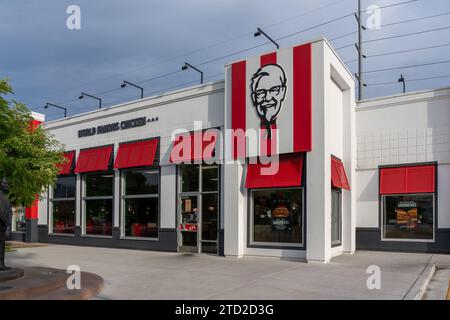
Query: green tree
{"type": "Point", "coordinates": [28, 156]}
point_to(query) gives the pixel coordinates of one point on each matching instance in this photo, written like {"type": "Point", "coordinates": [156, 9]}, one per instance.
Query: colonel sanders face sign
{"type": "Point", "coordinates": [268, 86]}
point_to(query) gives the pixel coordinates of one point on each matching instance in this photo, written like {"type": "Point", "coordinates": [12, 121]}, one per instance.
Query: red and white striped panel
{"type": "Point", "coordinates": [293, 124]}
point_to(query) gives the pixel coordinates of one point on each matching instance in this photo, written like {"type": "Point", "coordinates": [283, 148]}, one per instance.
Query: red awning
{"type": "Point", "coordinates": [338, 175]}
{"type": "Point", "coordinates": [410, 179]}
{"type": "Point", "coordinates": [65, 167]}
{"type": "Point", "coordinates": [136, 154]}
{"type": "Point", "coordinates": [289, 173]}
{"type": "Point", "coordinates": [95, 159]}
{"type": "Point", "coordinates": [194, 146]}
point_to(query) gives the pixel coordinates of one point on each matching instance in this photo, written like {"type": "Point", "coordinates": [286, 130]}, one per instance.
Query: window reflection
{"type": "Point", "coordinates": [409, 216]}
{"type": "Point", "coordinates": [277, 215]}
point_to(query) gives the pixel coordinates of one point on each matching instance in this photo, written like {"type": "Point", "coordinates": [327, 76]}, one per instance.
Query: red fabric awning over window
{"type": "Point", "coordinates": [194, 146]}
{"type": "Point", "coordinates": [410, 179]}
{"type": "Point", "coordinates": [289, 173]}
{"type": "Point", "coordinates": [96, 159]}
{"type": "Point", "coordinates": [338, 175]}
{"type": "Point", "coordinates": [136, 154]}
{"type": "Point", "coordinates": [65, 167]}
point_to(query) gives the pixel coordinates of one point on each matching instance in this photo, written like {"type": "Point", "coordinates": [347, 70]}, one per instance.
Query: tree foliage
{"type": "Point", "coordinates": [28, 156]}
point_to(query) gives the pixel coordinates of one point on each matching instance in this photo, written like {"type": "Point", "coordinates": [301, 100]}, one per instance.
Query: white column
{"type": "Point", "coordinates": [117, 195]}
{"type": "Point", "coordinates": [78, 197]}
{"type": "Point", "coordinates": [43, 209]}
{"type": "Point", "coordinates": [318, 184]}
{"type": "Point", "coordinates": [235, 210]}
{"type": "Point", "coordinates": [168, 196]}
{"type": "Point", "coordinates": [349, 211]}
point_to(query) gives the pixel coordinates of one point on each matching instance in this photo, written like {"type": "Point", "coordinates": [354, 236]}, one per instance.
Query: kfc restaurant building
{"type": "Point", "coordinates": [264, 163]}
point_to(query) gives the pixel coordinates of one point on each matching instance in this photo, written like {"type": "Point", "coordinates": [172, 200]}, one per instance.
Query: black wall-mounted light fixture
{"type": "Point", "coordinates": [187, 65]}
{"type": "Point", "coordinates": [260, 32]}
{"type": "Point", "coordinates": [125, 83]}
{"type": "Point", "coordinates": [93, 97]}
{"type": "Point", "coordinates": [56, 106]}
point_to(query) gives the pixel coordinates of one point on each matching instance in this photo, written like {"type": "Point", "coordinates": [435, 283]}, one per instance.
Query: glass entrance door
{"type": "Point", "coordinates": [188, 226]}
{"type": "Point", "coordinates": [198, 207]}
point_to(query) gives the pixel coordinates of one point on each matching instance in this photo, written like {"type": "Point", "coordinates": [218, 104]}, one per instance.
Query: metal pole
{"type": "Point", "coordinates": [360, 83]}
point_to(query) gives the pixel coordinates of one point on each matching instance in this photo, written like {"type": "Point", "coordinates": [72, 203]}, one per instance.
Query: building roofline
{"type": "Point", "coordinates": [399, 95]}
{"type": "Point", "coordinates": [117, 107]}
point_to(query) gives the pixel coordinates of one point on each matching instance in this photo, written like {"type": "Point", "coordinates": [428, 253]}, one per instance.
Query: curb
{"type": "Point", "coordinates": [421, 285]}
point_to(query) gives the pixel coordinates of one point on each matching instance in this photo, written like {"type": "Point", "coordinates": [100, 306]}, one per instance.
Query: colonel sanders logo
{"type": "Point", "coordinates": [269, 89]}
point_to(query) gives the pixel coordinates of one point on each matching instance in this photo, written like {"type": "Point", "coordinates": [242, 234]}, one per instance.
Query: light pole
{"type": "Point", "coordinates": [125, 83]}
{"type": "Point", "coordinates": [187, 65]}
{"type": "Point", "coordinates": [93, 97]}
{"type": "Point", "coordinates": [260, 32]}
{"type": "Point", "coordinates": [402, 79]}
{"type": "Point", "coordinates": [56, 106]}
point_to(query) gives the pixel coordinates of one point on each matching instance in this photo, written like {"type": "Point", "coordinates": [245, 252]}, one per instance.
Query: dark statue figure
{"type": "Point", "coordinates": [5, 221]}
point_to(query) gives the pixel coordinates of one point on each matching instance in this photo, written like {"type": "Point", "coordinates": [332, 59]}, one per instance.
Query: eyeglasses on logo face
{"type": "Point", "coordinates": [262, 93]}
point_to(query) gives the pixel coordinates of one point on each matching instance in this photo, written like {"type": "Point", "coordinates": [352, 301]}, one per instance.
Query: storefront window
{"type": "Point", "coordinates": [18, 220]}
{"type": "Point", "coordinates": [210, 178]}
{"type": "Point", "coordinates": [141, 203]}
{"type": "Point", "coordinates": [336, 217]}
{"type": "Point", "coordinates": [63, 205]}
{"type": "Point", "coordinates": [277, 216]}
{"type": "Point", "coordinates": [408, 216]}
{"type": "Point", "coordinates": [189, 178]}
{"type": "Point", "coordinates": [98, 202]}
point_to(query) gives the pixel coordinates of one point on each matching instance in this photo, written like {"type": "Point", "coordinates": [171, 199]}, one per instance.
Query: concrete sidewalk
{"type": "Point", "coordinates": [133, 274]}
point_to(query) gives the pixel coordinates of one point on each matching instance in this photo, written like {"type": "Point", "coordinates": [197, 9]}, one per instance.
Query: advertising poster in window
{"type": "Point", "coordinates": [281, 218]}
{"type": "Point", "coordinates": [407, 214]}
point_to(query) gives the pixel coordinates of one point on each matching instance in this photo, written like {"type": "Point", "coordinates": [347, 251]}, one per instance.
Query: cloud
{"type": "Point", "coordinates": [135, 40]}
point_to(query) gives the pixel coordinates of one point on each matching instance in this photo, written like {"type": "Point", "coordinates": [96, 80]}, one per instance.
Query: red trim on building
{"type": "Point", "coordinates": [289, 173]}
{"type": "Point", "coordinates": [302, 95]}
{"type": "Point", "coordinates": [95, 159]}
{"type": "Point", "coordinates": [34, 124]}
{"type": "Point", "coordinates": [270, 58]}
{"type": "Point", "coordinates": [409, 179]}
{"type": "Point", "coordinates": [238, 104]}
{"type": "Point", "coordinates": [65, 167]}
{"type": "Point", "coordinates": [136, 154]}
{"type": "Point", "coordinates": [31, 212]}
{"type": "Point", "coordinates": [338, 175]}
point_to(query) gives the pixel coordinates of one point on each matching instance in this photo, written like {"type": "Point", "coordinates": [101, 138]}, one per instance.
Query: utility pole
{"type": "Point", "coordinates": [360, 54]}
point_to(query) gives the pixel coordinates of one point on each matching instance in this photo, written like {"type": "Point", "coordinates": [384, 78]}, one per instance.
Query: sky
{"type": "Point", "coordinates": [139, 40]}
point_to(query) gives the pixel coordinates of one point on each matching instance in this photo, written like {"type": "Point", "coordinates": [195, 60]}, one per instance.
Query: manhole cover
{"type": "Point", "coordinates": [3, 288]}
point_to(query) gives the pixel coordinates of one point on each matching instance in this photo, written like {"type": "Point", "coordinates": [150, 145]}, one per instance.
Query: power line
{"type": "Point", "coordinates": [165, 89]}
{"type": "Point", "coordinates": [343, 36]}
{"type": "Point", "coordinates": [253, 47]}
{"type": "Point", "coordinates": [415, 19]}
{"type": "Point", "coordinates": [316, 26]}
{"type": "Point", "coordinates": [410, 80]}
{"type": "Point", "coordinates": [401, 51]}
{"type": "Point", "coordinates": [392, 5]}
{"type": "Point", "coordinates": [186, 54]}
{"type": "Point", "coordinates": [407, 67]}
{"type": "Point", "coordinates": [407, 34]}
{"type": "Point", "coordinates": [397, 36]}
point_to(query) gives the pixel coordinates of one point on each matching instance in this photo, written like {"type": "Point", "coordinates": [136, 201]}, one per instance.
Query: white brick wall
{"type": "Point", "coordinates": [403, 146]}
